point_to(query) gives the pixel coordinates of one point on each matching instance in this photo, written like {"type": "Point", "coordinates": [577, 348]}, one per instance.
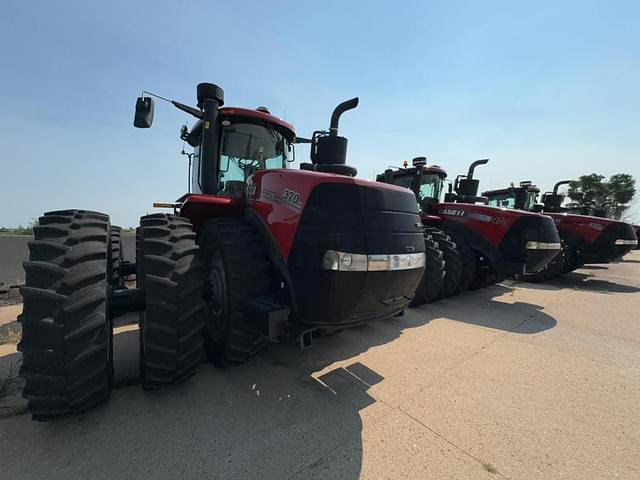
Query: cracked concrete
{"type": "Point", "coordinates": [516, 381]}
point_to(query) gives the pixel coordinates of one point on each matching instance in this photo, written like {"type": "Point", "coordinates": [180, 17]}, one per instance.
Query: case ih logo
{"type": "Point", "coordinates": [451, 211]}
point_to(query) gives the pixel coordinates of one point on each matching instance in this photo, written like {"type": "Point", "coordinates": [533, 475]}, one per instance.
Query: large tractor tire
{"type": "Point", "coordinates": [171, 325]}
{"type": "Point", "coordinates": [114, 274]}
{"type": "Point", "coordinates": [434, 273]}
{"type": "Point", "coordinates": [236, 269]}
{"type": "Point", "coordinates": [469, 263]}
{"type": "Point", "coordinates": [452, 261]}
{"type": "Point", "coordinates": [570, 259]}
{"type": "Point", "coordinates": [66, 332]}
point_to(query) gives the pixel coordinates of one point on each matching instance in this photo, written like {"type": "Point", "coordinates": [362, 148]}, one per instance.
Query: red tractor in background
{"type": "Point", "coordinates": [585, 239]}
{"type": "Point", "coordinates": [489, 243]}
{"type": "Point", "coordinates": [255, 253]}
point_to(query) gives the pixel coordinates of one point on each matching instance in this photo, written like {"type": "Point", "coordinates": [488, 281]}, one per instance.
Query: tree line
{"type": "Point", "coordinates": [593, 195]}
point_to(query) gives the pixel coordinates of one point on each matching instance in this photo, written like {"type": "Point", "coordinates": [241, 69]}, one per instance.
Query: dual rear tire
{"type": "Point", "coordinates": [67, 332]}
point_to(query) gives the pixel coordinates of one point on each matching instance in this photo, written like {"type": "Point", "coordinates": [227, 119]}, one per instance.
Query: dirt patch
{"type": "Point", "coordinates": [11, 384]}
{"type": "Point", "coordinates": [10, 294]}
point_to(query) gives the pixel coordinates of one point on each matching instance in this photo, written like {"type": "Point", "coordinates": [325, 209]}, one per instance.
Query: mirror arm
{"type": "Point", "coordinates": [186, 108]}
{"type": "Point", "coordinates": [181, 106]}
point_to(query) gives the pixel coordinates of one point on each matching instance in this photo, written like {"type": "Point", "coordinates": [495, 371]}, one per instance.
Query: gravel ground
{"type": "Point", "coordinates": [516, 381]}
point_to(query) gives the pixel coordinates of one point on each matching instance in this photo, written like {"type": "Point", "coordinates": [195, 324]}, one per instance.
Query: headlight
{"type": "Point", "coordinates": [358, 262]}
{"type": "Point", "coordinates": [621, 241]}
{"type": "Point", "coordinates": [542, 246]}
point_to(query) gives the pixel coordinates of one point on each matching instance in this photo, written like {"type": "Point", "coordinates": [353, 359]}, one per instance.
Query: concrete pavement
{"type": "Point", "coordinates": [515, 381]}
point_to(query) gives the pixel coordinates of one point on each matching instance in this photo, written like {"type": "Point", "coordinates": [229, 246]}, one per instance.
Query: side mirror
{"type": "Point", "coordinates": [144, 112]}
{"type": "Point", "coordinates": [292, 153]}
{"type": "Point", "coordinates": [538, 207]}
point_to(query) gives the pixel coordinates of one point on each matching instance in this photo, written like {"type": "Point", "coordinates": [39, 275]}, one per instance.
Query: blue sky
{"type": "Point", "coordinates": [547, 90]}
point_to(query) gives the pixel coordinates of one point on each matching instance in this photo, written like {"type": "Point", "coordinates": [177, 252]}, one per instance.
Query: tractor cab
{"type": "Point", "coordinates": [426, 181]}
{"type": "Point", "coordinates": [250, 140]}
{"type": "Point", "coordinates": [523, 197]}
{"type": "Point", "coordinates": [230, 144]}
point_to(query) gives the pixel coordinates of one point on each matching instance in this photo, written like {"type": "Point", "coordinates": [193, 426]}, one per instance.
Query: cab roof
{"type": "Point", "coordinates": [400, 172]}
{"type": "Point", "coordinates": [504, 191]}
{"type": "Point", "coordinates": [258, 115]}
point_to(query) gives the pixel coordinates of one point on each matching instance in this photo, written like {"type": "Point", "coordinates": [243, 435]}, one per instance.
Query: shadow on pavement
{"type": "Point", "coordinates": [274, 417]}
{"type": "Point", "coordinates": [480, 308]}
{"type": "Point", "coordinates": [583, 281]}
{"type": "Point", "coordinates": [281, 415]}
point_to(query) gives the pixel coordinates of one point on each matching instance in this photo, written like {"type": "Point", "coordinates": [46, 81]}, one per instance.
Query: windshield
{"type": "Point", "coordinates": [430, 186]}
{"type": "Point", "coordinates": [248, 147]}
{"type": "Point", "coordinates": [504, 200]}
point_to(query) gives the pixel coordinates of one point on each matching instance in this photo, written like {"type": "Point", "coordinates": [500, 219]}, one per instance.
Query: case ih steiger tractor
{"type": "Point", "coordinates": [585, 239]}
{"type": "Point", "coordinates": [489, 243]}
{"type": "Point", "coordinates": [255, 253]}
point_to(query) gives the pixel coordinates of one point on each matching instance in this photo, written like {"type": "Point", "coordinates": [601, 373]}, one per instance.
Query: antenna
{"type": "Point", "coordinates": [184, 131]}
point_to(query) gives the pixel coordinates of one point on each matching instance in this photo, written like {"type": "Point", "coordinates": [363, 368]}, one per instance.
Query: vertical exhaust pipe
{"type": "Point", "coordinates": [473, 166]}
{"type": "Point", "coordinates": [338, 111]}
{"type": "Point", "coordinates": [559, 184]}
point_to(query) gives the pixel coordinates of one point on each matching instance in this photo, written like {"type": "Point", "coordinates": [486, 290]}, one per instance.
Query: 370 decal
{"type": "Point", "coordinates": [290, 196]}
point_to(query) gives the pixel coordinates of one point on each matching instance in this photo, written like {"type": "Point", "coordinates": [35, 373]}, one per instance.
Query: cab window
{"type": "Point", "coordinates": [504, 201]}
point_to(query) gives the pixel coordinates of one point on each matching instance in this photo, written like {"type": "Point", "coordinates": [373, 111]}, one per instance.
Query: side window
{"type": "Point", "coordinates": [427, 190]}
{"type": "Point", "coordinates": [195, 171]}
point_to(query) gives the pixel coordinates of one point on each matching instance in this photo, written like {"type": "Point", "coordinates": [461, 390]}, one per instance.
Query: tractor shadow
{"type": "Point", "coordinates": [583, 281]}
{"type": "Point", "coordinates": [280, 415]}
{"type": "Point", "coordinates": [287, 413]}
{"type": "Point", "coordinates": [481, 308]}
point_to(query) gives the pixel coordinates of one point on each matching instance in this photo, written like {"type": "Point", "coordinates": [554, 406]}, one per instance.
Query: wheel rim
{"type": "Point", "coordinates": [217, 294]}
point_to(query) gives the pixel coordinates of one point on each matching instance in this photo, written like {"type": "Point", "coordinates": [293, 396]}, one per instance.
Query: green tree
{"type": "Point", "coordinates": [622, 189]}
{"type": "Point", "coordinates": [594, 196]}
{"type": "Point", "coordinates": [589, 193]}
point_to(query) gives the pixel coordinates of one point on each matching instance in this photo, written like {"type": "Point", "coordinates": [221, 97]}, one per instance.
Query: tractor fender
{"type": "Point", "coordinates": [274, 253]}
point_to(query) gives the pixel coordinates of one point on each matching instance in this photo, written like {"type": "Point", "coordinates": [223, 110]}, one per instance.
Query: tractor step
{"type": "Point", "coordinates": [269, 316]}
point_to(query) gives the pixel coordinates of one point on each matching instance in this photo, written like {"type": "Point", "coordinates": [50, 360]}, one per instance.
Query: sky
{"type": "Point", "coordinates": [547, 90]}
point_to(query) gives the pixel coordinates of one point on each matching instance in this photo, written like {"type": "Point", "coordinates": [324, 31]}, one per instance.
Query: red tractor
{"type": "Point", "coordinates": [585, 239]}
{"type": "Point", "coordinates": [489, 243]}
{"type": "Point", "coordinates": [255, 253]}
